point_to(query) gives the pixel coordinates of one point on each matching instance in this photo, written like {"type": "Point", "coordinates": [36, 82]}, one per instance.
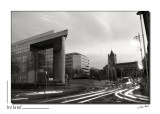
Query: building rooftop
{"type": "Point", "coordinates": [135, 62]}
{"type": "Point", "coordinates": [39, 36]}
{"type": "Point", "coordinates": [75, 53]}
{"type": "Point", "coordinates": [126, 63]}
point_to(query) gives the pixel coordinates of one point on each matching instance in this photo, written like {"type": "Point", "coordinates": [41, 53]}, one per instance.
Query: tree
{"type": "Point", "coordinates": [75, 73]}
{"type": "Point", "coordinates": [95, 73]}
{"type": "Point", "coordinates": [119, 72]}
{"type": "Point", "coordinates": [14, 67]}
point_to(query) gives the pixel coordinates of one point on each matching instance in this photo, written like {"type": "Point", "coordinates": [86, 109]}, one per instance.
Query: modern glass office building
{"type": "Point", "coordinates": [38, 57]}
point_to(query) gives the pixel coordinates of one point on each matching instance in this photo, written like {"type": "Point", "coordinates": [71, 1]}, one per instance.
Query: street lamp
{"type": "Point", "coordinates": [46, 79]}
{"type": "Point", "coordinates": [145, 56]}
{"type": "Point", "coordinates": [145, 59]}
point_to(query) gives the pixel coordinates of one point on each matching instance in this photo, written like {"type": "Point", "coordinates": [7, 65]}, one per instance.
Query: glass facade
{"type": "Point", "coordinates": [30, 66]}
{"type": "Point", "coordinates": [44, 63]}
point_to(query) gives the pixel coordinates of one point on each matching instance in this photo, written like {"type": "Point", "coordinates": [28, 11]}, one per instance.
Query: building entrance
{"type": "Point", "coordinates": [44, 63]}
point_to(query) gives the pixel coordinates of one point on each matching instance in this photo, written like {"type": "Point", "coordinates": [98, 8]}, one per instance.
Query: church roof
{"type": "Point", "coordinates": [111, 52]}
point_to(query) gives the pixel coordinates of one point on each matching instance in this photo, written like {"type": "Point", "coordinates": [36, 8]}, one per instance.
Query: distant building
{"type": "Point", "coordinates": [115, 70]}
{"type": "Point", "coordinates": [77, 61]}
{"type": "Point", "coordinates": [128, 69]}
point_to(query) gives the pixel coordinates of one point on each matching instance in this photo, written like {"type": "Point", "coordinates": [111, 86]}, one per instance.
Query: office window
{"type": "Point", "coordinates": [24, 68]}
{"type": "Point", "coordinates": [24, 58]}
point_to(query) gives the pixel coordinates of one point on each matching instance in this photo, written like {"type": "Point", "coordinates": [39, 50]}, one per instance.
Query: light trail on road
{"type": "Point", "coordinates": [128, 95]}
{"type": "Point", "coordinates": [120, 92]}
{"type": "Point", "coordinates": [19, 99]}
{"type": "Point", "coordinates": [96, 97]}
{"type": "Point", "coordinates": [100, 93]}
{"type": "Point", "coordinates": [71, 96]}
{"type": "Point", "coordinates": [83, 96]}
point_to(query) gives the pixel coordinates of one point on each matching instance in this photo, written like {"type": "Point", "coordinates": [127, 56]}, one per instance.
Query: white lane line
{"type": "Point", "coordinates": [95, 97]}
{"type": "Point", "coordinates": [74, 96]}
{"type": "Point", "coordinates": [86, 97]}
{"type": "Point", "coordinates": [19, 99]}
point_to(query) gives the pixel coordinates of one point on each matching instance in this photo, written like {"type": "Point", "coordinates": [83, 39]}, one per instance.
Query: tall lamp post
{"type": "Point", "coordinates": [145, 56]}
{"type": "Point", "coordinates": [145, 59]}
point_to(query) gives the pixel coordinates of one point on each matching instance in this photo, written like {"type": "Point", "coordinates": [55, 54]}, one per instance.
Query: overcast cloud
{"type": "Point", "coordinates": [90, 33]}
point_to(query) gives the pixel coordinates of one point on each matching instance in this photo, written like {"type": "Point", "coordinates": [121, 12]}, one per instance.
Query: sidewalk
{"type": "Point", "coordinates": [51, 92]}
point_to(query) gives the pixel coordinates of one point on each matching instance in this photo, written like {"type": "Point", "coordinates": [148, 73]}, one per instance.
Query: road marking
{"type": "Point", "coordinates": [86, 96]}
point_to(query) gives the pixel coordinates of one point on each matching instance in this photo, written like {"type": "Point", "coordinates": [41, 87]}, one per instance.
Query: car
{"type": "Point", "coordinates": [126, 81]}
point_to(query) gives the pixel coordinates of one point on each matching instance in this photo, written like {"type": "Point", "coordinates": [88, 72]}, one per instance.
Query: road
{"type": "Point", "coordinates": [104, 96]}
{"type": "Point", "coordinates": [116, 95]}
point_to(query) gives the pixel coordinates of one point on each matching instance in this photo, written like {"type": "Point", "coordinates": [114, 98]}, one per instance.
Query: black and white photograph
{"type": "Point", "coordinates": [80, 57]}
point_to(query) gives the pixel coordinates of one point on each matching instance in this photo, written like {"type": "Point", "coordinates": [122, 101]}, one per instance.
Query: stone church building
{"type": "Point", "coordinates": [115, 71]}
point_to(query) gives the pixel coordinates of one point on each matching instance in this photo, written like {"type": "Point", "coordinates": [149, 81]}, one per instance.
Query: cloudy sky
{"type": "Point", "coordinates": [93, 34]}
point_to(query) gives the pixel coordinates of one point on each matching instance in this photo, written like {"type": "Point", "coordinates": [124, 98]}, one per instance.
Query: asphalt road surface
{"type": "Point", "coordinates": [105, 96]}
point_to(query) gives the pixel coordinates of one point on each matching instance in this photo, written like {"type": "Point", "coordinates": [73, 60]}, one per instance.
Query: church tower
{"type": "Point", "coordinates": [112, 61]}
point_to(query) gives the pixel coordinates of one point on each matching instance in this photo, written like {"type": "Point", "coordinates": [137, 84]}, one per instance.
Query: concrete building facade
{"type": "Point", "coordinates": [77, 61]}
{"type": "Point", "coordinates": [39, 56]}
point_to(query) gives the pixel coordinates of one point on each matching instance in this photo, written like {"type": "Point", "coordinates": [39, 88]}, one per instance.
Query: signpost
{"type": "Point", "coordinates": [46, 80]}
